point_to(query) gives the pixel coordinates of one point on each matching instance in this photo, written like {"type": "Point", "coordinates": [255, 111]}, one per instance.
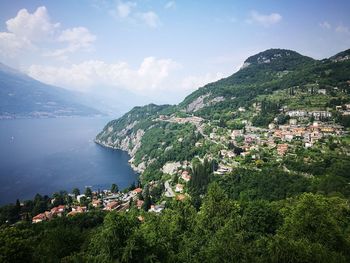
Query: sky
{"type": "Point", "coordinates": [159, 51]}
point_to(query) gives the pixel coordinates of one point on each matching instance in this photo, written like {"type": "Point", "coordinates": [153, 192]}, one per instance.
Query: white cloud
{"type": "Point", "coordinates": [26, 30]}
{"type": "Point", "coordinates": [11, 45]}
{"type": "Point", "coordinates": [149, 77]}
{"type": "Point", "coordinates": [33, 27]}
{"type": "Point", "coordinates": [124, 9]}
{"type": "Point", "coordinates": [30, 31]}
{"type": "Point", "coordinates": [325, 25]}
{"type": "Point", "coordinates": [129, 12]}
{"type": "Point", "coordinates": [342, 29]}
{"type": "Point", "coordinates": [77, 38]}
{"type": "Point", "coordinates": [264, 20]}
{"type": "Point", "coordinates": [193, 82]}
{"type": "Point", "coordinates": [150, 18]}
{"type": "Point", "coordinates": [170, 4]}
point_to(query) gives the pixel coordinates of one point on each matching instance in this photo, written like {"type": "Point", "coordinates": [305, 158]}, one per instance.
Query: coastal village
{"type": "Point", "coordinates": [304, 128]}
{"type": "Point", "coordinates": [108, 201]}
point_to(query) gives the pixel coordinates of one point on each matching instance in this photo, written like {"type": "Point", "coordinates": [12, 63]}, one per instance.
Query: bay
{"type": "Point", "coordinates": [47, 155]}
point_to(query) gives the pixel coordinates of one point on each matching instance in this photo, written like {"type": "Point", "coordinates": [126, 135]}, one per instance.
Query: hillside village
{"type": "Point", "coordinates": [303, 129]}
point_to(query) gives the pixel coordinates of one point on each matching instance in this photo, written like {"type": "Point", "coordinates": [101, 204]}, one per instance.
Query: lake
{"type": "Point", "coordinates": [48, 155]}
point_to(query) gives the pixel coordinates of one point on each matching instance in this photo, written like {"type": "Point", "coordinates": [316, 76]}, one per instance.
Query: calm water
{"type": "Point", "coordinates": [48, 155]}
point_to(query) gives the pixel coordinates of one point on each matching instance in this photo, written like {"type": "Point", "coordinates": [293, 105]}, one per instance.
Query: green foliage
{"type": "Point", "coordinates": [267, 184]}
{"type": "Point", "coordinates": [114, 188]}
{"type": "Point", "coordinates": [15, 245]}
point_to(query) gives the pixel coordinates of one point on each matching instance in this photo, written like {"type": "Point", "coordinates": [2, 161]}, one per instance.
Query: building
{"type": "Point", "coordinates": [139, 203]}
{"type": "Point", "coordinates": [185, 176]}
{"type": "Point", "coordinates": [180, 197]}
{"type": "Point", "coordinates": [296, 113]}
{"type": "Point", "coordinates": [42, 217]}
{"type": "Point", "coordinates": [322, 91]}
{"type": "Point", "coordinates": [179, 188]}
{"type": "Point", "coordinates": [58, 210]}
{"type": "Point", "coordinates": [79, 209]}
{"type": "Point", "coordinates": [282, 149]}
{"type": "Point", "coordinates": [272, 126]}
{"type": "Point", "coordinates": [157, 208]}
{"type": "Point", "coordinates": [137, 191]}
{"type": "Point", "coordinates": [79, 197]}
{"type": "Point", "coordinates": [112, 206]}
{"type": "Point", "coordinates": [96, 202]}
{"type": "Point", "coordinates": [293, 121]}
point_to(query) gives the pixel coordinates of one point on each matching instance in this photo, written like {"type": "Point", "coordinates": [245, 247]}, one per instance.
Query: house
{"type": "Point", "coordinates": [272, 126]}
{"type": "Point", "coordinates": [112, 206]}
{"type": "Point", "coordinates": [293, 122]}
{"type": "Point", "coordinates": [79, 197]}
{"type": "Point", "coordinates": [288, 137]}
{"type": "Point", "coordinates": [180, 197]}
{"type": "Point", "coordinates": [282, 149]}
{"type": "Point", "coordinates": [222, 170]}
{"type": "Point", "coordinates": [226, 153]}
{"type": "Point", "coordinates": [212, 135]}
{"type": "Point", "coordinates": [327, 129]}
{"type": "Point", "coordinates": [39, 218]}
{"type": "Point", "coordinates": [320, 114]}
{"type": "Point", "coordinates": [322, 91]}
{"type": "Point", "coordinates": [244, 154]}
{"type": "Point", "coordinates": [137, 191]}
{"type": "Point", "coordinates": [179, 188]}
{"type": "Point", "coordinates": [96, 202]}
{"type": "Point", "coordinates": [58, 210]}
{"type": "Point", "coordinates": [185, 176]}
{"type": "Point", "coordinates": [296, 113]}
{"type": "Point", "coordinates": [338, 108]}
{"type": "Point", "coordinates": [139, 203]}
{"type": "Point", "coordinates": [79, 209]}
{"type": "Point", "coordinates": [278, 134]}
{"type": "Point", "coordinates": [308, 144]}
{"type": "Point", "coordinates": [157, 208]}
{"type": "Point", "coordinates": [236, 133]}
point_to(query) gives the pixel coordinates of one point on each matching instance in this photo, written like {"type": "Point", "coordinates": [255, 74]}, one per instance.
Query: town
{"type": "Point", "coordinates": [303, 129]}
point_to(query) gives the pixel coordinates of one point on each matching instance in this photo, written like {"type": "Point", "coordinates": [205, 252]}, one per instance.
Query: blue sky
{"type": "Point", "coordinates": [160, 51]}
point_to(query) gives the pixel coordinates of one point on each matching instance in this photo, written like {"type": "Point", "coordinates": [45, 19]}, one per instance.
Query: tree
{"type": "Point", "coordinates": [109, 243]}
{"type": "Point", "coordinates": [88, 192]}
{"type": "Point", "coordinates": [147, 199]}
{"type": "Point", "coordinates": [76, 192]}
{"type": "Point", "coordinates": [132, 186]}
{"type": "Point", "coordinates": [114, 188]}
{"type": "Point", "coordinates": [319, 220]}
{"type": "Point", "coordinates": [15, 245]}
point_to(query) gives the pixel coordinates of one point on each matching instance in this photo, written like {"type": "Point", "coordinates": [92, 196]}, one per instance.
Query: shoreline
{"type": "Point", "coordinates": [133, 167]}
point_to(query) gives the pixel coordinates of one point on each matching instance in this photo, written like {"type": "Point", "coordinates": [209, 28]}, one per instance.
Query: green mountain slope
{"type": "Point", "coordinates": [268, 87]}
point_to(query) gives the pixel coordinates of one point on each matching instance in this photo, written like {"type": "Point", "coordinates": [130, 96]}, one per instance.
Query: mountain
{"type": "Point", "coordinates": [22, 96]}
{"type": "Point", "coordinates": [266, 90]}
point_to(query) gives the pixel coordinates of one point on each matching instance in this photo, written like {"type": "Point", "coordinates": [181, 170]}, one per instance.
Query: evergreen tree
{"type": "Point", "coordinates": [114, 188]}
{"type": "Point", "coordinates": [147, 199]}
{"type": "Point", "coordinates": [76, 192]}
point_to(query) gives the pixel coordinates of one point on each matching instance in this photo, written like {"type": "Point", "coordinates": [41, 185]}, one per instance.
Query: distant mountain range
{"type": "Point", "coordinates": [24, 97]}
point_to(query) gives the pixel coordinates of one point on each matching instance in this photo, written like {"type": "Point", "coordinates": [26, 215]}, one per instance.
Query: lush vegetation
{"type": "Point", "coordinates": [227, 228]}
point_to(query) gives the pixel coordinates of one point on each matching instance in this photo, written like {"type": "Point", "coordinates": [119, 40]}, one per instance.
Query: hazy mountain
{"type": "Point", "coordinates": [22, 96]}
